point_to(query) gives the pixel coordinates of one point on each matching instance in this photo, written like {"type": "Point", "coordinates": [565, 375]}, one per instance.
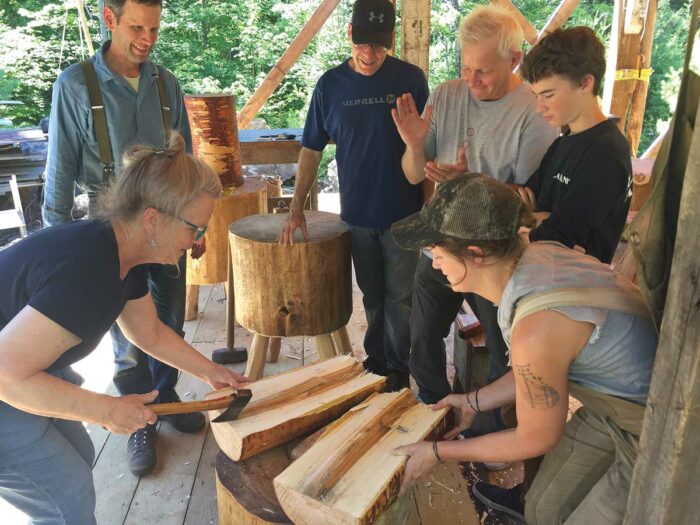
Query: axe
{"type": "Point", "coordinates": [232, 403]}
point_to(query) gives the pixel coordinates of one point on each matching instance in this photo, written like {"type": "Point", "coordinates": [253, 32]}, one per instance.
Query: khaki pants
{"type": "Point", "coordinates": [586, 478]}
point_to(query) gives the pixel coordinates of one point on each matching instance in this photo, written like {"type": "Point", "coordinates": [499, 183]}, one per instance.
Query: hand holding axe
{"type": "Point", "coordinates": [233, 403]}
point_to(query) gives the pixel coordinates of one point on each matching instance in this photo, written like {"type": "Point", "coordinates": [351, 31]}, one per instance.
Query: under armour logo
{"type": "Point", "coordinates": [373, 17]}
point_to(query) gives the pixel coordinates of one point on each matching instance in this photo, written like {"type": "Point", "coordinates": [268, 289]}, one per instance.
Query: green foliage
{"type": "Point", "coordinates": [231, 45]}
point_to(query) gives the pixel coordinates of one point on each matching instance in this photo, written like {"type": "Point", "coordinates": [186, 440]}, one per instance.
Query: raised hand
{"type": "Point", "coordinates": [438, 172]}
{"type": "Point", "coordinates": [411, 126]}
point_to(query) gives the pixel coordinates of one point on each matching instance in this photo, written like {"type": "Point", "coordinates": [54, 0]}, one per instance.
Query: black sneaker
{"type": "Point", "coordinates": [397, 380]}
{"type": "Point", "coordinates": [375, 366]}
{"type": "Point", "coordinates": [187, 423]}
{"type": "Point", "coordinates": [141, 450]}
{"type": "Point", "coordinates": [503, 500]}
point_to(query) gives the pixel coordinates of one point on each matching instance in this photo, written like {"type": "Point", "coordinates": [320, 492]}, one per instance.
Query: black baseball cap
{"type": "Point", "coordinates": [373, 22]}
{"type": "Point", "coordinates": [471, 207]}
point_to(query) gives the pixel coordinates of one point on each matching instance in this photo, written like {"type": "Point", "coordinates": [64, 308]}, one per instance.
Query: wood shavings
{"type": "Point", "coordinates": [443, 485]}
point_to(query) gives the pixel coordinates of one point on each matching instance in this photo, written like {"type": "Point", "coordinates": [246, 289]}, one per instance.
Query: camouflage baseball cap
{"type": "Point", "coordinates": [471, 207]}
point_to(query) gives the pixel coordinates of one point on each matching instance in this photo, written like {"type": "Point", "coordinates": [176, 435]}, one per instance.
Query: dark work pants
{"type": "Point", "coordinates": [135, 371]}
{"type": "Point", "coordinates": [384, 274]}
{"type": "Point", "coordinates": [435, 307]}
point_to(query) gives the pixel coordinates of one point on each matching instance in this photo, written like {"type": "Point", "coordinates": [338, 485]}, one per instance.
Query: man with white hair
{"type": "Point", "coordinates": [484, 122]}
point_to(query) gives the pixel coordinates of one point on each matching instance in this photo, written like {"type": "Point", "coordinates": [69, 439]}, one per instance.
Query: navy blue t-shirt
{"type": "Point", "coordinates": [354, 111]}
{"type": "Point", "coordinates": [69, 273]}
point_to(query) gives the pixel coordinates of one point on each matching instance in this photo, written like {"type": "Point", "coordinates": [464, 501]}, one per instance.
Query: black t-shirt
{"type": "Point", "coordinates": [69, 273]}
{"type": "Point", "coordinates": [585, 181]}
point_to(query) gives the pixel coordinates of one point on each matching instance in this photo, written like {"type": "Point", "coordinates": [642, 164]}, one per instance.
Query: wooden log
{"type": "Point", "coordinates": [415, 32]}
{"type": "Point", "coordinates": [325, 347]}
{"type": "Point", "coordinates": [294, 403]}
{"type": "Point", "coordinates": [341, 341]}
{"type": "Point", "coordinates": [214, 129]}
{"type": "Point", "coordinates": [304, 289]}
{"type": "Point", "coordinates": [349, 476]}
{"type": "Point", "coordinates": [245, 200]}
{"type": "Point", "coordinates": [286, 61]}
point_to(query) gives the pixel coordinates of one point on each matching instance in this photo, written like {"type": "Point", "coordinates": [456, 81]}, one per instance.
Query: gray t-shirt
{"type": "Point", "coordinates": [619, 356]}
{"type": "Point", "coordinates": [505, 138]}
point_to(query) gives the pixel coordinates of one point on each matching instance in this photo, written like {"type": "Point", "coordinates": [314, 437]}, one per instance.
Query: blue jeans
{"type": "Point", "coordinates": [46, 467]}
{"type": "Point", "coordinates": [384, 273]}
{"type": "Point", "coordinates": [135, 371]}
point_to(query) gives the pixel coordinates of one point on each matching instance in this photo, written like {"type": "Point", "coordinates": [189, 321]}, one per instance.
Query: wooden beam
{"type": "Point", "coordinates": [558, 18]}
{"type": "Point", "coordinates": [665, 483]}
{"type": "Point", "coordinates": [285, 63]}
{"type": "Point", "coordinates": [84, 26]}
{"type": "Point", "coordinates": [529, 30]}
{"type": "Point", "coordinates": [415, 32]}
{"type": "Point", "coordinates": [653, 150]}
{"type": "Point", "coordinates": [628, 73]}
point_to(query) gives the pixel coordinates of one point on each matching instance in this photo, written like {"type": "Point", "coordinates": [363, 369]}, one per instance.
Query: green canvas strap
{"type": "Point", "coordinates": [164, 107]}
{"type": "Point", "coordinates": [617, 299]}
{"type": "Point", "coordinates": [99, 117]}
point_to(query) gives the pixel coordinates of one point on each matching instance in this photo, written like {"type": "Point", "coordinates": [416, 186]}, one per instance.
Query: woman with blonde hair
{"type": "Point", "coordinates": [572, 325]}
{"type": "Point", "coordinates": [60, 291]}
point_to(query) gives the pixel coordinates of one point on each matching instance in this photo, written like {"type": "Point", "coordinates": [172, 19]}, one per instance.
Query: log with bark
{"type": "Point", "coordinates": [294, 403]}
{"type": "Point", "coordinates": [349, 476]}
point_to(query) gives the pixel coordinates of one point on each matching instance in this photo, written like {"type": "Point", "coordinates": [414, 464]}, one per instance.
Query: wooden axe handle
{"type": "Point", "coordinates": [166, 409]}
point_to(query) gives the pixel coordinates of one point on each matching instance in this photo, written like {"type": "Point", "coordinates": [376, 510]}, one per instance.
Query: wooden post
{"type": "Point", "coordinates": [285, 63]}
{"type": "Point", "coordinates": [415, 32]}
{"type": "Point", "coordinates": [665, 481]}
{"type": "Point", "coordinates": [324, 346]}
{"type": "Point", "coordinates": [629, 66]}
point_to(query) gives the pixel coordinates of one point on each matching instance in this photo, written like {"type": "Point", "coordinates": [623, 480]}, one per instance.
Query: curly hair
{"type": "Point", "coordinates": [572, 53]}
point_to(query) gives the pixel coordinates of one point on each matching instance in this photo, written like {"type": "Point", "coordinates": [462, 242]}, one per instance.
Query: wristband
{"type": "Point", "coordinates": [472, 406]}
{"type": "Point", "coordinates": [476, 399]}
{"type": "Point", "coordinates": [435, 451]}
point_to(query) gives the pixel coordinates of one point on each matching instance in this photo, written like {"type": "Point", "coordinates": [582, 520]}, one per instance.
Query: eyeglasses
{"type": "Point", "coordinates": [201, 230]}
{"type": "Point", "coordinates": [377, 48]}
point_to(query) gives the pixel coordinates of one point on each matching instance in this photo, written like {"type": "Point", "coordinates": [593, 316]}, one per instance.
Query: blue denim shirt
{"type": "Point", "coordinates": [132, 118]}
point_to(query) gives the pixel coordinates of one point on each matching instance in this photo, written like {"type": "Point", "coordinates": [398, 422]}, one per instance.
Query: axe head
{"type": "Point", "coordinates": [241, 399]}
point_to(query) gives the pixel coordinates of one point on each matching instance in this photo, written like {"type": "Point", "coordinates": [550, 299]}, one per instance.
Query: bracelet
{"type": "Point", "coordinates": [476, 399]}
{"type": "Point", "coordinates": [472, 406]}
{"type": "Point", "coordinates": [435, 451]}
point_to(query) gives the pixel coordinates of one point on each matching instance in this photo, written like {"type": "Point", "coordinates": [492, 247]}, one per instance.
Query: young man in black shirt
{"type": "Point", "coordinates": [580, 194]}
{"type": "Point", "coordinates": [581, 191]}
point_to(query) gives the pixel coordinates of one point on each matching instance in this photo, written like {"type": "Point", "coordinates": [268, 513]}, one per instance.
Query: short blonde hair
{"type": "Point", "coordinates": [489, 21]}
{"type": "Point", "coordinates": [168, 180]}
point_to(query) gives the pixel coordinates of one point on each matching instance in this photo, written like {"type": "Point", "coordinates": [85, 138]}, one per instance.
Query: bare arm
{"type": "Point", "coordinates": [309, 161]}
{"type": "Point", "coordinates": [540, 378]}
{"type": "Point", "coordinates": [29, 344]}
{"type": "Point", "coordinates": [142, 327]}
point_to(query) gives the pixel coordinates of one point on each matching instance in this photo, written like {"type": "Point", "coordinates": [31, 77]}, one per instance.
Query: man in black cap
{"type": "Point", "coordinates": [351, 105]}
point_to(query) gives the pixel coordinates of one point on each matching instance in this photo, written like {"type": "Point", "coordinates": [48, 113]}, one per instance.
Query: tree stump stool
{"type": "Point", "coordinates": [299, 290]}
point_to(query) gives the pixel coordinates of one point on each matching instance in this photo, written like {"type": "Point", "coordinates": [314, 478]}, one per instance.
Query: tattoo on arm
{"type": "Point", "coordinates": [538, 393]}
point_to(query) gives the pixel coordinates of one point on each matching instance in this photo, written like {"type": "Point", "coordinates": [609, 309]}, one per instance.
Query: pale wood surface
{"type": "Point", "coordinates": [529, 31]}
{"type": "Point", "coordinates": [295, 403]}
{"type": "Point", "coordinates": [349, 475]}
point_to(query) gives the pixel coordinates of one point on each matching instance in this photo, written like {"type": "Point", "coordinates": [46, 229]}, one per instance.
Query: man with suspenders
{"type": "Point", "coordinates": [99, 108]}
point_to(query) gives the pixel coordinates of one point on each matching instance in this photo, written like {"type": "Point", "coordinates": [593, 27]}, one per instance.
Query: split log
{"type": "Point", "coordinates": [283, 291]}
{"type": "Point", "coordinates": [294, 403]}
{"type": "Point", "coordinates": [349, 476]}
